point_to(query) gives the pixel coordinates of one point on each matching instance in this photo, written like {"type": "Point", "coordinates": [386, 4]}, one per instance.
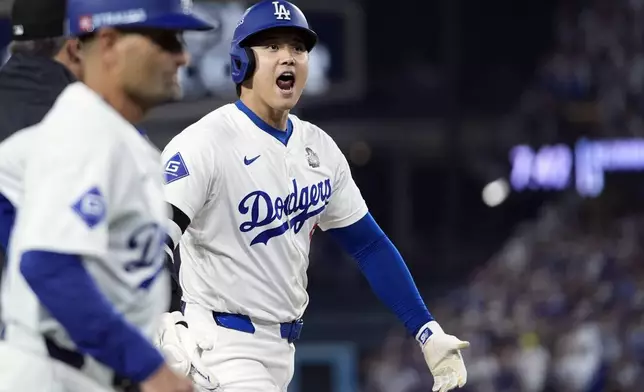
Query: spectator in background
{"type": "Point", "coordinates": [42, 64]}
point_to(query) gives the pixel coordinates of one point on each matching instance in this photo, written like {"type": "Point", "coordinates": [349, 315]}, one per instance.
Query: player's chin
{"type": "Point", "coordinates": [286, 99]}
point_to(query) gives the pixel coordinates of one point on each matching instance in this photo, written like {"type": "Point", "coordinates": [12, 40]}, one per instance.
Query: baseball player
{"type": "Point", "coordinates": [85, 283]}
{"type": "Point", "coordinates": [248, 185]}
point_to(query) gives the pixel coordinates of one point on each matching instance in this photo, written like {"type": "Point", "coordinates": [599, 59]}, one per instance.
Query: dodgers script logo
{"type": "Point", "coordinates": [263, 210]}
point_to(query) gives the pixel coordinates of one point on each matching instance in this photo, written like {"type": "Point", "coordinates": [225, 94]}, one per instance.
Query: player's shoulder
{"type": "Point", "coordinates": [311, 133]}
{"type": "Point", "coordinates": [209, 128]}
{"type": "Point", "coordinates": [207, 133]}
{"type": "Point", "coordinates": [220, 122]}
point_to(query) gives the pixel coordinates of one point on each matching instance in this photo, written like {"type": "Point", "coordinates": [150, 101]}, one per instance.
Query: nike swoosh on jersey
{"type": "Point", "coordinates": [249, 161]}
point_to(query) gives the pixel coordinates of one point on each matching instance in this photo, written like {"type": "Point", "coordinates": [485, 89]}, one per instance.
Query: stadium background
{"type": "Point", "coordinates": [462, 121]}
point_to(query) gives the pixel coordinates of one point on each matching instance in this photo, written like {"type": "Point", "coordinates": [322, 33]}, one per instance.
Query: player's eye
{"type": "Point", "coordinates": [273, 47]}
{"type": "Point", "coordinates": [300, 48]}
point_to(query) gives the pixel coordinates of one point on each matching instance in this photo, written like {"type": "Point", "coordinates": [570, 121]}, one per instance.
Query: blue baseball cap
{"type": "Point", "coordinates": [87, 16]}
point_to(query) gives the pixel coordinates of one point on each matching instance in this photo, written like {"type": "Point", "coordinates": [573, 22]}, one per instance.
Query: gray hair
{"type": "Point", "coordinates": [46, 47]}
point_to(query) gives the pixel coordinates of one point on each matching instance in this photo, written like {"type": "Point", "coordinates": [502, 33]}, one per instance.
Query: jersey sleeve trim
{"type": "Point", "coordinates": [348, 221]}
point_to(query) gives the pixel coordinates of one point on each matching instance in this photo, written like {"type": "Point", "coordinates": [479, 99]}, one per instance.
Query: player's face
{"type": "Point", "coordinates": [282, 68]}
{"type": "Point", "coordinates": [149, 64]}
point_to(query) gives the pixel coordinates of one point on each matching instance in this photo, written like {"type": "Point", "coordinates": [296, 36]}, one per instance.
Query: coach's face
{"type": "Point", "coordinates": [282, 68]}
{"type": "Point", "coordinates": [148, 65]}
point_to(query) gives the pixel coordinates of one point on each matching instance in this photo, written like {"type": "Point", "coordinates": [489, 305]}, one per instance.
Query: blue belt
{"type": "Point", "coordinates": [289, 331]}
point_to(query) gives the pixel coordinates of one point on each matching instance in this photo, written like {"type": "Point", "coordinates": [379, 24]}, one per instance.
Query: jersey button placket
{"type": "Point", "coordinates": [290, 176]}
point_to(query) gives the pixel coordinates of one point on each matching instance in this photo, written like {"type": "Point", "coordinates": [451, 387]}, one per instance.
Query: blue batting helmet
{"type": "Point", "coordinates": [263, 16]}
{"type": "Point", "coordinates": [86, 16]}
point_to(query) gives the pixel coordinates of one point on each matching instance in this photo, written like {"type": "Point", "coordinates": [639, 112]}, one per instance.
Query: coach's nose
{"type": "Point", "coordinates": [182, 58]}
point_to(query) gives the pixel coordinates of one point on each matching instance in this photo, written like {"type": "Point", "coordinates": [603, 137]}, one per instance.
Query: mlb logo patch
{"type": "Point", "coordinates": [91, 207]}
{"type": "Point", "coordinates": [86, 23]}
{"type": "Point", "coordinates": [175, 169]}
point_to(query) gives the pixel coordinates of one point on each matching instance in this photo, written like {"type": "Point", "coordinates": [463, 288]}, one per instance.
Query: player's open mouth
{"type": "Point", "coordinates": [286, 81]}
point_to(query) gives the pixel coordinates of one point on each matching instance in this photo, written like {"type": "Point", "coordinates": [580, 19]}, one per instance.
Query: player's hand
{"type": "Point", "coordinates": [167, 341]}
{"type": "Point", "coordinates": [166, 380]}
{"type": "Point", "coordinates": [183, 352]}
{"type": "Point", "coordinates": [443, 356]}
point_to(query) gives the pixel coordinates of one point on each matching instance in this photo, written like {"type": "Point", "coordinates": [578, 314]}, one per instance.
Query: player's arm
{"type": "Point", "coordinates": [189, 171]}
{"type": "Point", "coordinates": [62, 231]}
{"type": "Point", "coordinates": [349, 223]}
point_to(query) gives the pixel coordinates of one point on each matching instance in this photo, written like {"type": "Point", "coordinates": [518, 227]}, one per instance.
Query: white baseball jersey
{"type": "Point", "coordinates": [86, 183]}
{"type": "Point", "coordinates": [254, 203]}
{"type": "Point", "coordinates": [12, 163]}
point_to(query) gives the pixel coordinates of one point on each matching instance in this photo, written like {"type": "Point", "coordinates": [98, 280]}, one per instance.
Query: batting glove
{"type": "Point", "coordinates": [443, 356]}
{"type": "Point", "coordinates": [183, 352]}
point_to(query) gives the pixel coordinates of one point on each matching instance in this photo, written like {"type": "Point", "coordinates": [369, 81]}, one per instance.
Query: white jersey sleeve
{"type": "Point", "coordinates": [346, 205]}
{"type": "Point", "coordinates": [190, 171]}
{"type": "Point", "coordinates": [13, 152]}
{"type": "Point", "coordinates": [67, 199]}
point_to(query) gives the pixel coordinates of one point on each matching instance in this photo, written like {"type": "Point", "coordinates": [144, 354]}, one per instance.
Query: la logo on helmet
{"type": "Point", "coordinates": [281, 12]}
{"type": "Point", "coordinates": [186, 6]}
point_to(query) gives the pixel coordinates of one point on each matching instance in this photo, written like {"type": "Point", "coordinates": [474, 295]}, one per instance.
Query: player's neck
{"type": "Point", "coordinates": [277, 119]}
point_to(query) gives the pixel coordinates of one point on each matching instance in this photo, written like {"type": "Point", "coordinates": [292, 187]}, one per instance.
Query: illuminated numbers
{"type": "Point", "coordinates": [521, 158]}
{"type": "Point", "coordinates": [549, 168]}
{"type": "Point", "coordinates": [553, 166]}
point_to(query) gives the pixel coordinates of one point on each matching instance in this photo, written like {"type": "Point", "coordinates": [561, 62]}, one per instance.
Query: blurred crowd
{"type": "Point", "coordinates": [592, 81]}
{"type": "Point", "coordinates": [560, 307]}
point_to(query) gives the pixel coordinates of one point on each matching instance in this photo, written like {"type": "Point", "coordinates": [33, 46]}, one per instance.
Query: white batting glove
{"type": "Point", "coordinates": [443, 356]}
{"type": "Point", "coordinates": [183, 352]}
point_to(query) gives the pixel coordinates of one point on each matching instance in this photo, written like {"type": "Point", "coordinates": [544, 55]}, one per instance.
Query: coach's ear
{"type": "Point", "coordinates": [74, 51]}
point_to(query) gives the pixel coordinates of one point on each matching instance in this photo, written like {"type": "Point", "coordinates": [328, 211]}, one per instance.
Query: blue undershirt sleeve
{"type": "Point", "coordinates": [385, 270]}
{"type": "Point", "coordinates": [68, 292]}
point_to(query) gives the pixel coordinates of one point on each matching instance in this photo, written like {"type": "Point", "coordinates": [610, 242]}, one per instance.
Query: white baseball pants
{"type": "Point", "coordinates": [25, 371]}
{"type": "Point", "coordinates": [243, 362]}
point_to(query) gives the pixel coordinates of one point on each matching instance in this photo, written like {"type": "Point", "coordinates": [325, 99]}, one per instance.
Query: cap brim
{"type": "Point", "coordinates": [178, 22]}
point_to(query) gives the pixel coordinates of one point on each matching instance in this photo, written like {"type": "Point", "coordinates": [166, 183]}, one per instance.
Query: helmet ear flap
{"type": "Point", "coordinates": [242, 64]}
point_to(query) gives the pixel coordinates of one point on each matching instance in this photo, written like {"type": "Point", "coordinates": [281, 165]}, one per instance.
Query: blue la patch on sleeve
{"type": "Point", "coordinates": [175, 169]}
{"type": "Point", "coordinates": [91, 207]}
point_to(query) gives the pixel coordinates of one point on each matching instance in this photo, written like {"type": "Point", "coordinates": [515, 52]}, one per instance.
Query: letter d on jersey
{"type": "Point", "coordinates": [175, 169]}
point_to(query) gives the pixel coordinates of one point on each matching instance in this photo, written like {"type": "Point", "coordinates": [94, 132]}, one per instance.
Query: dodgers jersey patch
{"type": "Point", "coordinates": [91, 207]}
{"type": "Point", "coordinates": [175, 169]}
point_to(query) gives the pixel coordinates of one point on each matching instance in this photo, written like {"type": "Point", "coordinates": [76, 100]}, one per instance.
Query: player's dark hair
{"type": "Point", "coordinates": [46, 47]}
{"type": "Point", "coordinates": [238, 90]}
